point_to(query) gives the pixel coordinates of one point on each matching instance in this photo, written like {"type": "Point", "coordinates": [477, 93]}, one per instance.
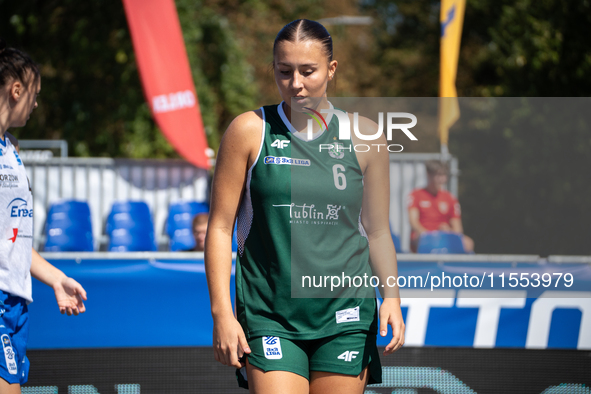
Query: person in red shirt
{"type": "Point", "coordinates": [434, 209]}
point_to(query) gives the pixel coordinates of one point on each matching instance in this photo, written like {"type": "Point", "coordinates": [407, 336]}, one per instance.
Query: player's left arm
{"type": "Point", "coordinates": [375, 220]}
{"type": "Point", "coordinates": [70, 295]}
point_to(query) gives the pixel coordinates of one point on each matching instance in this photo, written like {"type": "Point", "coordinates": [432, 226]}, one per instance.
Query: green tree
{"type": "Point", "coordinates": [522, 186]}
{"type": "Point", "coordinates": [91, 92]}
{"type": "Point", "coordinates": [524, 179]}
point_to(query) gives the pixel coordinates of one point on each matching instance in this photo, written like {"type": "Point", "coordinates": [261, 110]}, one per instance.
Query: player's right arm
{"type": "Point", "coordinates": [237, 152]}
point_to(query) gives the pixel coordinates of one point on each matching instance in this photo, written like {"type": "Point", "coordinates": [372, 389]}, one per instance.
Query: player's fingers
{"type": "Point", "coordinates": [389, 349]}
{"type": "Point", "coordinates": [81, 306]}
{"type": "Point", "coordinates": [226, 352]}
{"type": "Point", "coordinates": [217, 352]}
{"type": "Point", "coordinates": [397, 338]}
{"type": "Point", "coordinates": [243, 344]}
{"type": "Point", "coordinates": [391, 346]}
{"type": "Point", "coordinates": [80, 290]}
{"type": "Point", "coordinates": [222, 357]}
{"type": "Point", "coordinates": [383, 324]}
{"type": "Point", "coordinates": [62, 310]}
{"type": "Point", "coordinates": [233, 359]}
{"type": "Point", "coordinates": [401, 342]}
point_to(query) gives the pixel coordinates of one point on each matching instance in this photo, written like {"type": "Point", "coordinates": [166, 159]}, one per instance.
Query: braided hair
{"type": "Point", "coordinates": [15, 65]}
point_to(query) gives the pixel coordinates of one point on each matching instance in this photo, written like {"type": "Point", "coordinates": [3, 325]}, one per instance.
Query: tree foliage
{"type": "Point", "coordinates": [91, 92]}
{"type": "Point", "coordinates": [523, 184]}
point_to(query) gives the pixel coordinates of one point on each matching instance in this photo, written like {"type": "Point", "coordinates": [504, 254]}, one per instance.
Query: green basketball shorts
{"type": "Point", "coordinates": [347, 353]}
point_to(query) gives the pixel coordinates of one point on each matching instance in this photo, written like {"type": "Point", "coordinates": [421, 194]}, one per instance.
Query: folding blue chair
{"type": "Point", "coordinates": [130, 215]}
{"type": "Point", "coordinates": [440, 242]}
{"type": "Point", "coordinates": [130, 227]}
{"type": "Point", "coordinates": [179, 225]}
{"type": "Point", "coordinates": [68, 227]}
{"type": "Point", "coordinates": [131, 240]}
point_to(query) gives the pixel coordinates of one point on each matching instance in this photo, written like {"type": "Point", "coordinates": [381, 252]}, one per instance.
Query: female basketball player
{"type": "Point", "coordinates": [299, 205]}
{"type": "Point", "coordinates": [19, 86]}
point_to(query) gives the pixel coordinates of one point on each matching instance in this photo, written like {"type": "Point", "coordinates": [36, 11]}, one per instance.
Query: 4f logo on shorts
{"type": "Point", "coordinates": [348, 356]}
{"type": "Point", "coordinates": [9, 355]}
{"type": "Point", "coordinates": [280, 143]}
{"type": "Point", "coordinates": [272, 348]}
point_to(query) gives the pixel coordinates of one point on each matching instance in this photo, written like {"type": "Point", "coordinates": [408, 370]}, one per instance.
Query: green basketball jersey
{"type": "Point", "coordinates": [299, 223]}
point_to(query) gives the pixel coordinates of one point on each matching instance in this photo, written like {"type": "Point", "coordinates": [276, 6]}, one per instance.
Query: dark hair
{"type": "Point", "coordinates": [14, 64]}
{"type": "Point", "coordinates": [302, 30]}
{"type": "Point", "coordinates": [436, 166]}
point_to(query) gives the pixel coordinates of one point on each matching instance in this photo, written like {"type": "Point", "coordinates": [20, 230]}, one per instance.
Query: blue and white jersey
{"type": "Point", "coordinates": [16, 224]}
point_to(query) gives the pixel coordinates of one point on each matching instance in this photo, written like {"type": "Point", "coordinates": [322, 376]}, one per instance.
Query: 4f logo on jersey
{"type": "Point", "coordinates": [348, 356]}
{"type": "Point", "coordinates": [280, 144]}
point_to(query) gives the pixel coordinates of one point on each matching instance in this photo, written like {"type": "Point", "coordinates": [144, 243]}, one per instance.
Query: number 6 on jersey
{"type": "Point", "coordinates": [340, 181]}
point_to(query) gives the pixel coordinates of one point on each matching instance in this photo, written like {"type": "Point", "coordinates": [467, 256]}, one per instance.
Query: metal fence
{"type": "Point", "coordinates": [102, 181]}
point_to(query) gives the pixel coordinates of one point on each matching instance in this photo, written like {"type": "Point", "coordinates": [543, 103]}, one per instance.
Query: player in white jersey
{"type": "Point", "coordinates": [20, 84]}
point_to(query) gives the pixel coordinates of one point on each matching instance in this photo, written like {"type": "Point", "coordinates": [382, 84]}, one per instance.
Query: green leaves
{"type": "Point", "coordinates": [91, 91]}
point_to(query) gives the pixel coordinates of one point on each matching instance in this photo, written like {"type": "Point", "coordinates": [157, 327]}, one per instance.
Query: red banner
{"type": "Point", "coordinates": [166, 76]}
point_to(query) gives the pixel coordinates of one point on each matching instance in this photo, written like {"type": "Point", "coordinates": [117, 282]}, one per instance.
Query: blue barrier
{"type": "Point", "coordinates": [146, 302]}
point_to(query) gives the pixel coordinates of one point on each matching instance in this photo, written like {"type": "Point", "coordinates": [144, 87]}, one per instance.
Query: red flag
{"type": "Point", "coordinates": [166, 75]}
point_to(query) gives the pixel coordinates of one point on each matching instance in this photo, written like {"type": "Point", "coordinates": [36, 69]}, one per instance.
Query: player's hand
{"type": "Point", "coordinates": [70, 296]}
{"type": "Point", "coordinates": [391, 314]}
{"type": "Point", "coordinates": [229, 341]}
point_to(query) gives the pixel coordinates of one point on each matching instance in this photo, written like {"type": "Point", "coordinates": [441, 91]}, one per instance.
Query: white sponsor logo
{"type": "Point", "coordinates": [443, 207]}
{"type": "Point", "coordinates": [173, 101]}
{"type": "Point", "coordinates": [272, 348]}
{"type": "Point", "coordinates": [309, 211]}
{"type": "Point", "coordinates": [9, 355]}
{"type": "Point", "coordinates": [348, 356]}
{"type": "Point", "coordinates": [280, 143]}
{"type": "Point", "coordinates": [287, 161]}
{"type": "Point", "coordinates": [347, 315]}
{"type": "Point", "coordinates": [333, 212]}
